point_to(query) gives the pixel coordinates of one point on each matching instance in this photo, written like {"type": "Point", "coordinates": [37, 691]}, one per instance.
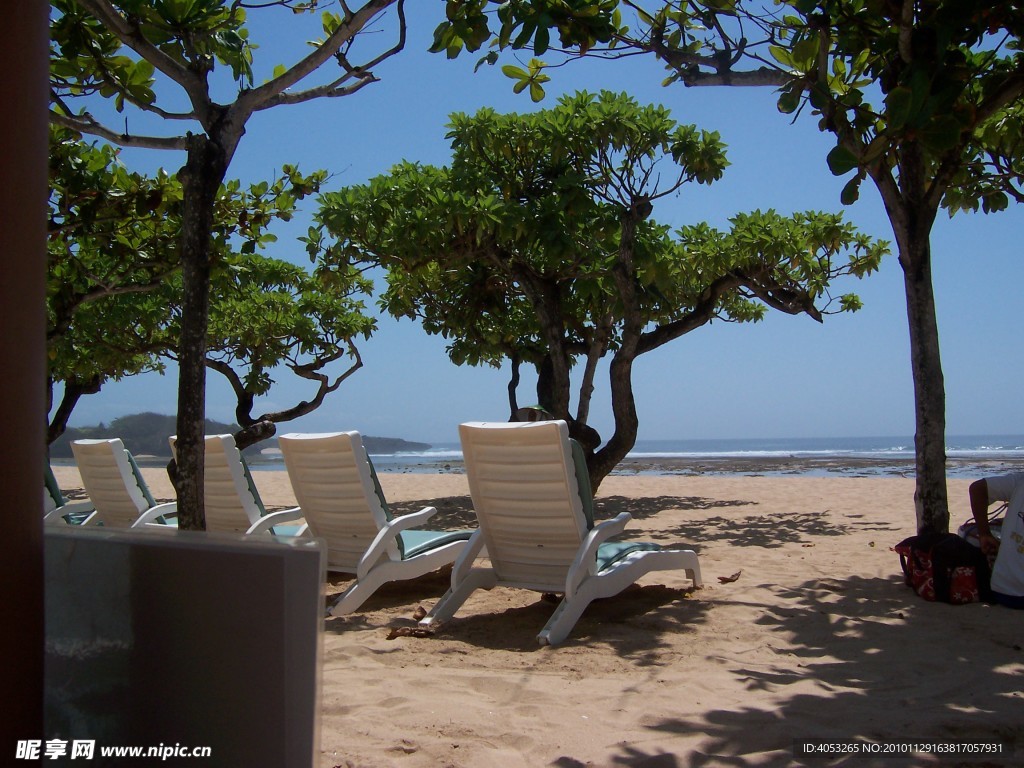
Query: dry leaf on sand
{"type": "Point", "coordinates": [410, 632]}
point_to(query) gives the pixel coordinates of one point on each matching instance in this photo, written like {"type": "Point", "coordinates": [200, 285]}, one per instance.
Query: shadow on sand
{"type": "Point", "coordinates": [633, 623]}
{"type": "Point", "coordinates": [739, 528]}
{"type": "Point", "coordinates": [882, 666]}
{"type": "Point", "coordinates": [453, 512]}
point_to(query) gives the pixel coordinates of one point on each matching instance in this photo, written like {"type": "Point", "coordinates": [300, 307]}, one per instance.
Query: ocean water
{"type": "Point", "coordinates": [968, 456]}
{"type": "Point", "coordinates": [957, 446]}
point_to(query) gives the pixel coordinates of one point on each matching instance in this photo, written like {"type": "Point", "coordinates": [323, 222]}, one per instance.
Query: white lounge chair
{"type": "Point", "coordinates": [342, 502]}
{"type": "Point", "coordinates": [116, 487]}
{"type": "Point", "coordinates": [533, 500]}
{"type": "Point", "coordinates": [59, 511]}
{"type": "Point", "coordinates": [230, 499]}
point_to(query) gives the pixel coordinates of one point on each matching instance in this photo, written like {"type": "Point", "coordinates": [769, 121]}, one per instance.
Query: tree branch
{"type": "Point", "coordinates": [243, 398]}
{"type": "Point", "coordinates": [309, 371]}
{"type": "Point", "coordinates": [691, 68]}
{"type": "Point", "coordinates": [1009, 91]}
{"type": "Point", "coordinates": [595, 351]}
{"type": "Point", "coordinates": [85, 123]}
{"type": "Point", "coordinates": [331, 90]}
{"type": "Point", "coordinates": [256, 98]}
{"type": "Point", "coordinates": [703, 310]}
{"type": "Point", "coordinates": [73, 392]}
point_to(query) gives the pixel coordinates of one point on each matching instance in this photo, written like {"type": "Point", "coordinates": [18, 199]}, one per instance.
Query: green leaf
{"type": "Point", "coordinates": [514, 72]}
{"type": "Point", "coordinates": [789, 100]}
{"type": "Point", "coordinates": [490, 59]}
{"type": "Point", "coordinates": [841, 161]}
{"type": "Point", "coordinates": [781, 55]}
{"type": "Point", "coordinates": [540, 41]}
{"type": "Point", "coordinates": [995, 201]}
{"type": "Point", "coordinates": [941, 134]}
{"type": "Point", "coordinates": [805, 54]}
{"type": "Point", "coordinates": [851, 192]}
{"type": "Point", "coordinates": [899, 103]}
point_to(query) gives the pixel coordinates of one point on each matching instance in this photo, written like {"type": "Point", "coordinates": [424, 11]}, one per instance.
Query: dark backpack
{"type": "Point", "coordinates": [944, 567]}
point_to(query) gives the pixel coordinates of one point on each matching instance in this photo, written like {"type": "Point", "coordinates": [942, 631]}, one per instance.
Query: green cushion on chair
{"type": "Point", "coordinates": [252, 485]}
{"type": "Point", "coordinates": [579, 460]}
{"type": "Point", "coordinates": [416, 542]}
{"type": "Point", "coordinates": [383, 502]}
{"type": "Point", "coordinates": [141, 482]}
{"type": "Point", "coordinates": [611, 552]}
{"type": "Point", "coordinates": [76, 518]}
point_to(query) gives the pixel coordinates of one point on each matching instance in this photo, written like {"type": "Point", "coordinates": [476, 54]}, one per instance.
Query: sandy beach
{"type": "Point", "coordinates": [803, 630]}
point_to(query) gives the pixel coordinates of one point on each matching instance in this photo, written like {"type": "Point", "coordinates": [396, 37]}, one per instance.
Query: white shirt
{"type": "Point", "coordinates": [1008, 572]}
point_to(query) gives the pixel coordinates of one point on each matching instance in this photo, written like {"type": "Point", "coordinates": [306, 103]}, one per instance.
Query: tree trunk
{"type": "Point", "coordinates": [201, 178]}
{"type": "Point", "coordinates": [911, 203]}
{"type": "Point", "coordinates": [73, 392]}
{"type": "Point", "coordinates": [627, 423]}
{"type": "Point", "coordinates": [930, 498]}
{"type": "Point", "coordinates": [546, 388]}
{"type": "Point", "coordinates": [513, 388]}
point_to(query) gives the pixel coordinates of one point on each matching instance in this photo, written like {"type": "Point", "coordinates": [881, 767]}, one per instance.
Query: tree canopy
{"type": "Point", "coordinates": [269, 315]}
{"type": "Point", "coordinates": [158, 58]}
{"type": "Point", "coordinates": [113, 265]}
{"type": "Point", "coordinates": [537, 245]}
{"type": "Point", "coordinates": [923, 97]}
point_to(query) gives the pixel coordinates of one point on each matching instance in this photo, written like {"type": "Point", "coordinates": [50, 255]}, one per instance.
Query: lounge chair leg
{"type": "Point", "coordinates": [453, 599]}
{"type": "Point", "coordinates": [358, 593]}
{"type": "Point", "coordinates": [562, 621]}
{"type": "Point", "coordinates": [694, 574]}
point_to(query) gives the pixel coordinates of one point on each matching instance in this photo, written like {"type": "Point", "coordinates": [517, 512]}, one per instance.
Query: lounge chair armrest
{"type": "Point", "coordinates": [170, 509]}
{"type": "Point", "coordinates": [586, 557]}
{"type": "Point", "coordinates": [56, 516]}
{"type": "Point", "coordinates": [412, 520]}
{"type": "Point", "coordinates": [92, 519]}
{"type": "Point", "coordinates": [269, 520]}
{"type": "Point", "coordinates": [388, 534]}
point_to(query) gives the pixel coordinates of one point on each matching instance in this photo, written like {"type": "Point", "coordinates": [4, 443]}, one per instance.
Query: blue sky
{"type": "Point", "coordinates": [784, 377]}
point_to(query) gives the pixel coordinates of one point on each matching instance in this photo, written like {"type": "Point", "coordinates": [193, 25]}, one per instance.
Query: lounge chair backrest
{"type": "Point", "coordinates": [231, 501]}
{"type": "Point", "coordinates": [113, 481]}
{"type": "Point", "coordinates": [337, 489]}
{"type": "Point", "coordinates": [522, 478]}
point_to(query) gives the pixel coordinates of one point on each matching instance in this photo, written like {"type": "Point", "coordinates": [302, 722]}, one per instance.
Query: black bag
{"type": "Point", "coordinates": [944, 567]}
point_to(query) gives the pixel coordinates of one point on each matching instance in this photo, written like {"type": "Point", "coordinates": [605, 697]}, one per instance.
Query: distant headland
{"type": "Point", "coordinates": [145, 434]}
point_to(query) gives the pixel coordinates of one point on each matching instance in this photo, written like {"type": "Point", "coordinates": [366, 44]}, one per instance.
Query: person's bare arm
{"type": "Point", "coordinates": [978, 493]}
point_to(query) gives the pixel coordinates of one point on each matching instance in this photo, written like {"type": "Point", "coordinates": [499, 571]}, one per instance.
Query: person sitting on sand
{"type": "Point", "coordinates": [1008, 551]}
